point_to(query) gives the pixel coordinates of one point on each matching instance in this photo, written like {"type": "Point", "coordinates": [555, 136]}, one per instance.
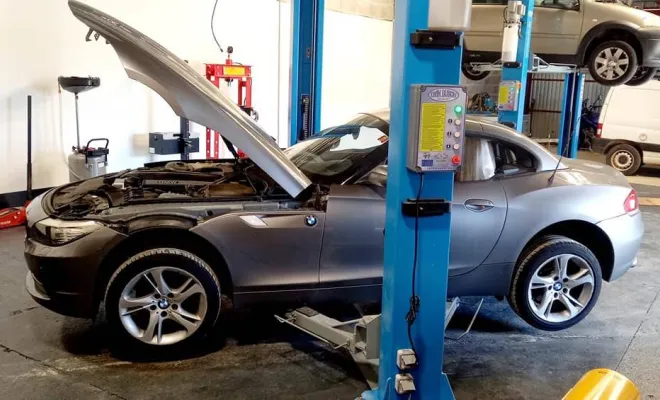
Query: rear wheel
{"type": "Point", "coordinates": [625, 158]}
{"type": "Point", "coordinates": [642, 76]}
{"type": "Point", "coordinates": [161, 299]}
{"type": "Point", "coordinates": [556, 284]}
{"type": "Point", "coordinates": [612, 63]}
{"type": "Point", "coordinates": [472, 74]}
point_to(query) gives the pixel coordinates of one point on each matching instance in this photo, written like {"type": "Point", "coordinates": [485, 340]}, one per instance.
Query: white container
{"type": "Point", "coordinates": [81, 167]}
{"type": "Point", "coordinates": [449, 15]}
{"type": "Point", "coordinates": [510, 43]}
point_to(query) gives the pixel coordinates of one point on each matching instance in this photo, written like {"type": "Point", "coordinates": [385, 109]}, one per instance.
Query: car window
{"type": "Point", "coordinates": [490, 2]}
{"type": "Point", "coordinates": [478, 160]}
{"type": "Point", "coordinates": [562, 4]}
{"type": "Point", "coordinates": [511, 159]}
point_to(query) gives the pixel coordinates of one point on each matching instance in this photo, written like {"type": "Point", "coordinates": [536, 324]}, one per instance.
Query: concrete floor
{"type": "Point", "coordinates": [48, 356]}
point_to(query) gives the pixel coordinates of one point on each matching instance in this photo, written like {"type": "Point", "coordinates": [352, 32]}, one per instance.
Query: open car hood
{"type": "Point", "coordinates": [191, 96]}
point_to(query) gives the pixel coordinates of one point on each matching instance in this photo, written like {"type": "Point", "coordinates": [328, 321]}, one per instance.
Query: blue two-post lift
{"type": "Point", "coordinates": [416, 259]}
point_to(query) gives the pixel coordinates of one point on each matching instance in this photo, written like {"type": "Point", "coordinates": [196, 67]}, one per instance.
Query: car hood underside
{"type": "Point", "coordinates": [191, 96]}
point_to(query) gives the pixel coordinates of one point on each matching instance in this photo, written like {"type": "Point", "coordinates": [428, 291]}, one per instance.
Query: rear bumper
{"type": "Point", "coordinates": [599, 145]}
{"type": "Point", "coordinates": [649, 39]}
{"type": "Point", "coordinates": [625, 233]}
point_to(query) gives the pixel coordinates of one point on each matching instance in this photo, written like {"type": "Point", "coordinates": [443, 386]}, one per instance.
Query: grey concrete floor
{"type": "Point", "coordinates": [47, 356]}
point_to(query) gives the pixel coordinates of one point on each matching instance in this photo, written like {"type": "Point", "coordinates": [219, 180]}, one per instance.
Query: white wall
{"type": "Point", "coordinates": [40, 40]}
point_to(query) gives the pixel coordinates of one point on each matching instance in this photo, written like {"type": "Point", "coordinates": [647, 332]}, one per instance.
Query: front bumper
{"type": "Point", "coordinates": [649, 39]}
{"type": "Point", "coordinates": [62, 278]}
{"type": "Point", "coordinates": [625, 233]}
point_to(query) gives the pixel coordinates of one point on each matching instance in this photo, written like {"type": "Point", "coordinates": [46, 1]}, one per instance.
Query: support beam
{"type": "Point", "coordinates": [514, 118]}
{"type": "Point", "coordinates": [414, 65]}
{"type": "Point", "coordinates": [569, 122]}
{"type": "Point", "coordinates": [306, 68]}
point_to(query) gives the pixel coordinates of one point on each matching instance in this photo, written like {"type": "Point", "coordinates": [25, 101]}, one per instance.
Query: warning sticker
{"type": "Point", "coordinates": [432, 127]}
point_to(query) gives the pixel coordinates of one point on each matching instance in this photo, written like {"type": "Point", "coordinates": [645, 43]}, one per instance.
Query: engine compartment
{"type": "Point", "coordinates": [176, 181]}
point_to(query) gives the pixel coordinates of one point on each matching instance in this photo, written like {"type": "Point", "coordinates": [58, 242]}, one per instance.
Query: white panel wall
{"type": "Point", "coordinates": [40, 40]}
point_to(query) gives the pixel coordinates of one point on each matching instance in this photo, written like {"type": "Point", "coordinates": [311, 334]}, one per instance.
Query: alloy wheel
{"type": "Point", "coordinates": [612, 63]}
{"type": "Point", "coordinates": [162, 305]}
{"type": "Point", "coordinates": [561, 288]}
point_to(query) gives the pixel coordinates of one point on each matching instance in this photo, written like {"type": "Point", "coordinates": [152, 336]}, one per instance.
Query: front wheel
{"type": "Point", "coordinates": [473, 74]}
{"type": "Point", "coordinates": [612, 63]}
{"type": "Point", "coordinates": [556, 284]}
{"type": "Point", "coordinates": [161, 299]}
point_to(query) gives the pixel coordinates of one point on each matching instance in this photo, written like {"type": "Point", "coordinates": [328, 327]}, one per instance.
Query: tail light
{"type": "Point", "coordinates": [631, 204]}
{"type": "Point", "coordinates": [599, 130]}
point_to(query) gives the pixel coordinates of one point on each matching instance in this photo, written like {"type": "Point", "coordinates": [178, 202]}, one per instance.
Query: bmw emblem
{"type": "Point", "coordinates": [310, 220]}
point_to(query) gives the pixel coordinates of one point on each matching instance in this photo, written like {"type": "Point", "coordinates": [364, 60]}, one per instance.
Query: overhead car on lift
{"type": "Point", "coordinates": [618, 44]}
{"type": "Point", "coordinates": [163, 247]}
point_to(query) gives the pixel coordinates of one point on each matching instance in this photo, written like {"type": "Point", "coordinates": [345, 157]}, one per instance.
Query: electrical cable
{"type": "Point", "coordinates": [212, 29]}
{"type": "Point", "coordinates": [414, 298]}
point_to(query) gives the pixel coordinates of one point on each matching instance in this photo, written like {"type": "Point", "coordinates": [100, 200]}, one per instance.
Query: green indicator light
{"type": "Point", "coordinates": [458, 109]}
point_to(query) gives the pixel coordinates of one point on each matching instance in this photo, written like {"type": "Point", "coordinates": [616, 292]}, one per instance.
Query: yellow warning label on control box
{"type": "Point", "coordinates": [432, 127]}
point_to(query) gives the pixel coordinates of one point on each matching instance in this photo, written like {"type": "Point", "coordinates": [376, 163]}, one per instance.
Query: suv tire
{"type": "Point", "coordinates": [642, 76]}
{"type": "Point", "coordinates": [471, 74]}
{"type": "Point", "coordinates": [612, 63]}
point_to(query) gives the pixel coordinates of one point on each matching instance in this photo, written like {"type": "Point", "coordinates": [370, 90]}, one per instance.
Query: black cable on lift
{"type": "Point", "coordinates": [212, 29]}
{"type": "Point", "coordinates": [414, 298]}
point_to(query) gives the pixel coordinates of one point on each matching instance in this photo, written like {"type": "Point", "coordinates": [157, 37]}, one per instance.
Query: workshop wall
{"type": "Point", "coordinates": [41, 40]}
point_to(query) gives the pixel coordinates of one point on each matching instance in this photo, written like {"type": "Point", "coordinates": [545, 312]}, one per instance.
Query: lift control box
{"type": "Point", "coordinates": [507, 98]}
{"type": "Point", "coordinates": [437, 127]}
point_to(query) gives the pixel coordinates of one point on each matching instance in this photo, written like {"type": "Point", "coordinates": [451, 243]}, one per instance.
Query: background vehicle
{"type": "Point", "coordinates": [629, 127]}
{"type": "Point", "coordinates": [164, 247]}
{"type": "Point", "coordinates": [618, 44]}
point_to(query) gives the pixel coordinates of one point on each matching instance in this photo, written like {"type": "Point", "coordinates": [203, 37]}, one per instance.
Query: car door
{"type": "Point", "coordinates": [556, 27]}
{"type": "Point", "coordinates": [485, 33]}
{"type": "Point", "coordinates": [352, 251]}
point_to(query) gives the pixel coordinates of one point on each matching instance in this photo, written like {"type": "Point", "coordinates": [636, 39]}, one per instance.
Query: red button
{"type": "Point", "coordinates": [456, 160]}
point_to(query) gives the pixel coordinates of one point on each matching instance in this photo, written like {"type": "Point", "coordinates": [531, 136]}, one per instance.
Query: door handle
{"type": "Point", "coordinates": [479, 205]}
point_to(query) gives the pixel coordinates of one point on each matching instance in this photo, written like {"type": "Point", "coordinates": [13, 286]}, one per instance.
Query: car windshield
{"type": "Point", "coordinates": [340, 153]}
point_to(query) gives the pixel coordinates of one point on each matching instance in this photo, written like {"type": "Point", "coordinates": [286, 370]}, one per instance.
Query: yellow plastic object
{"type": "Point", "coordinates": [603, 384]}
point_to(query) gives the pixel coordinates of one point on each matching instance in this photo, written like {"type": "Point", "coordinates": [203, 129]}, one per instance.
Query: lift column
{"type": "Point", "coordinates": [569, 123]}
{"type": "Point", "coordinates": [419, 57]}
{"type": "Point", "coordinates": [306, 68]}
{"type": "Point", "coordinates": [511, 96]}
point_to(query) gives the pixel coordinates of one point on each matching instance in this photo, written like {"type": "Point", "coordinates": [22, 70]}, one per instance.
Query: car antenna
{"type": "Point", "coordinates": [561, 157]}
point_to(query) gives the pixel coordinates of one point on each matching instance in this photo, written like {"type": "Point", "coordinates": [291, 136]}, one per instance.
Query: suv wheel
{"type": "Point", "coordinates": [642, 76]}
{"type": "Point", "coordinates": [625, 158]}
{"type": "Point", "coordinates": [163, 298]}
{"type": "Point", "coordinates": [472, 74]}
{"type": "Point", "coordinates": [556, 284]}
{"type": "Point", "coordinates": [612, 63]}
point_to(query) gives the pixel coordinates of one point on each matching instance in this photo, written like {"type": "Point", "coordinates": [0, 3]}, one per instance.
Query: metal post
{"type": "Point", "coordinates": [565, 122]}
{"type": "Point", "coordinates": [410, 66]}
{"type": "Point", "coordinates": [77, 124]}
{"type": "Point", "coordinates": [519, 72]}
{"type": "Point", "coordinates": [306, 68]}
{"type": "Point", "coordinates": [29, 147]}
{"type": "Point", "coordinates": [577, 115]}
{"type": "Point", "coordinates": [184, 138]}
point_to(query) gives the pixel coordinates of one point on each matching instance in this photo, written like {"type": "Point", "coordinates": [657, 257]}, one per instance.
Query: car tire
{"type": "Point", "coordinates": [625, 158]}
{"type": "Point", "coordinates": [471, 74]}
{"type": "Point", "coordinates": [556, 283]}
{"type": "Point", "coordinates": [161, 300]}
{"type": "Point", "coordinates": [617, 74]}
{"type": "Point", "coordinates": [642, 76]}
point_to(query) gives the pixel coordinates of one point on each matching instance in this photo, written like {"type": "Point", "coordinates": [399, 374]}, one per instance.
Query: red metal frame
{"type": "Point", "coordinates": [229, 72]}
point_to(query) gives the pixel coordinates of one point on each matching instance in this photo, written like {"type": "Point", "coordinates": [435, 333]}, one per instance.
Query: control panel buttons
{"type": "Point", "coordinates": [457, 146]}
{"type": "Point", "coordinates": [457, 134]}
{"type": "Point", "coordinates": [456, 160]}
{"type": "Point", "coordinates": [457, 122]}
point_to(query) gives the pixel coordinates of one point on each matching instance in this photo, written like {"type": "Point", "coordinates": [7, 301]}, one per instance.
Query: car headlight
{"type": "Point", "coordinates": [652, 22]}
{"type": "Point", "coordinates": [59, 232]}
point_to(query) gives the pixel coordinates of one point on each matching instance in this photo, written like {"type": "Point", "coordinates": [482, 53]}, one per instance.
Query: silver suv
{"type": "Point", "coordinates": [618, 44]}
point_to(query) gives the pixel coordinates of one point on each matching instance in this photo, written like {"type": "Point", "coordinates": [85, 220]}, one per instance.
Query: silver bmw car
{"type": "Point", "coordinates": [163, 248]}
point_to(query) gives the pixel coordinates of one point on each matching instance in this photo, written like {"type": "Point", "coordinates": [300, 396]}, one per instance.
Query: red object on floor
{"type": "Point", "coordinates": [13, 216]}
